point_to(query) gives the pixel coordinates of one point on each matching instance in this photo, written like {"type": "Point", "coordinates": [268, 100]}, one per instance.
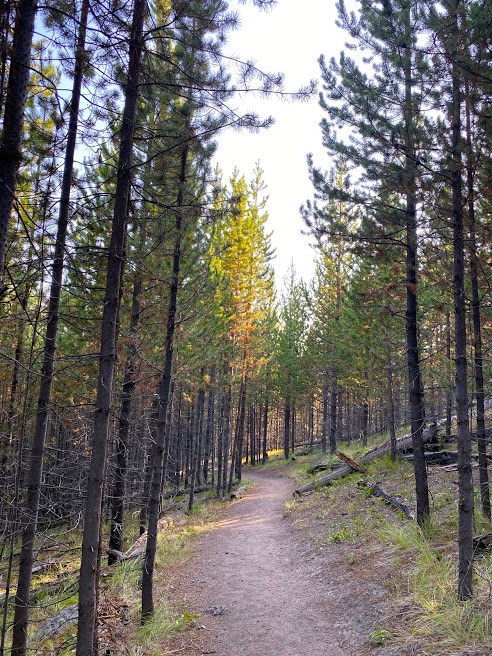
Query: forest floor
{"type": "Point", "coordinates": [334, 572]}
{"type": "Point", "coordinates": [262, 585]}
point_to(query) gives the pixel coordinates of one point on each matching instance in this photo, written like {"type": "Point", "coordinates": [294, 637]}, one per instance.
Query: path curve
{"type": "Point", "coordinates": [276, 593]}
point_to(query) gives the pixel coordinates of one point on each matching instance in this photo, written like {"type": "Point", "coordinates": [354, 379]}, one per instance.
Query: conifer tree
{"type": "Point", "coordinates": [13, 119]}
{"type": "Point", "coordinates": [37, 454]}
{"type": "Point", "coordinates": [90, 561]}
{"type": "Point", "coordinates": [290, 350]}
{"type": "Point", "coordinates": [384, 114]}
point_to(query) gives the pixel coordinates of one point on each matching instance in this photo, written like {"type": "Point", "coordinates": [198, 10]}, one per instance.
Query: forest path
{"type": "Point", "coordinates": [276, 593]}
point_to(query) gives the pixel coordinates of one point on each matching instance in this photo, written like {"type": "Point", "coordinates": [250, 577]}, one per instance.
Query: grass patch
{"type": "Point", "coordinates": [419, 566]}
{"type": "Point", "coordinates": [157, 629]}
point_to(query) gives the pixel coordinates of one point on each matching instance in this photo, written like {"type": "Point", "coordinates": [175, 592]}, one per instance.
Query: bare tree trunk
{"type": "Point", "coordinates": [287, 413]}
{"type": "Point", "coordinates": [477, 322]}
{"type": "Point", "coordinates": [365, 422]}
{"type": "Point", "coordinates": [197, 437]}
{"type": "Point", "coordinates": [90, 561]}
{"type": "Point", "coordinates": [163, 403]}
{"type": "Point", "coordinates": [13, 122]}
{"type": "Point", "coordinates": [333, 413]}
{"type": "Point", "coordinates": [324, 420]}
{"type": "Point", "coordinates": [129, 383]}
{"type": "Point", "coordinates": [224, 433]}
{"type": "Point", "coordinates": [391, 410]}
{"type": "Point", "coordinates": [31, 510]}
{"type": "Point", "coordinates": [449, 395]}
{"type": "Point", "coordinates": [252, 433]}
{"type": "Point", "coordinates": [265, 432]}
{"type": "Point", "coordinates": [237, 456]}
{"type": "Point", "coordinates": [465, 504]}
{"type": "Point", "coordinates": [208, 460]}
{"type": "Point", "coordinates": [415, 389]}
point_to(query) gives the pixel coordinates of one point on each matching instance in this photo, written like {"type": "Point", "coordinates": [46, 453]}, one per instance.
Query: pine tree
{"type": "Point", "coordinates": [37, 454]}
{"type": "Point", "coordinates": [89, 567]}
{"type": "Point", "coordinates": [13, 120]}
{"type": "Point", "coordinates": [384, 112]}
{"type": "Point", "coordinates": [291, 349]}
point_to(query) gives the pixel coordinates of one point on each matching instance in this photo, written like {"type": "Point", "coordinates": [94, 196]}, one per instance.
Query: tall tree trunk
{"type": "Point", "coordinates": [324, 420]}
{"type": "Point", "coordinates": [208, 460]}
{"type": "Point", "coordinates": [90, 561]}
{"type": "Point", "coordinates": [265, 432]}
{"type": "Point", "coordinates": [449, 395]}
{"type": "Point", "coordinates": [252, 432]}
{"type": "Point", "coordinates": [163, 402]}
{"type": "Point", "coordinates": [15, 502]}
{"type": "Point", "coordinates": [365, 422]}
{"type": "Point", "coordinates": [333, 413]}
{"type": "Point", "coordinates": [477, 321]}
{"type": "Point", "coordinates": [13, 122]}
{"type": "Point", "coordinates": [293, 427]}
{"type": "Point", "coordinates": [415, 389]}
{"type": "Point", "coordinates": [391, 409]}
{"type": "Point", "coordinates": [237, 458]}
{"type": "Point", "coordinates": [465, 504]}
{"type": "Point", "coordinates": [5, 16]}
{"type": "Point", "coordinates": [34, 478]}
{"type": "Point", "coordinates": [148, 473]}
{"type": "Point", "coordinates": [287, 413]}
{"type": "Point", "coordinates": [197, 437]}
{"type": "Point", "coordinates": [129, 384]}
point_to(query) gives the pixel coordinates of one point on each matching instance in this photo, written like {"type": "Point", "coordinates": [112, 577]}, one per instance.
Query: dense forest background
{"type": "Point", "coordinates": [145, 349]}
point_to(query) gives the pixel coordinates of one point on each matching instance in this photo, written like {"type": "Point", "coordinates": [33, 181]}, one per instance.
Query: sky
{"type": "Point", "coordinates": [288, 39]}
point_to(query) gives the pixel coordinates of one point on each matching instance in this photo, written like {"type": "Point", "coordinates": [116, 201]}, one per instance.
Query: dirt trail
{"type": "Point", "coordinates": [274, 592]}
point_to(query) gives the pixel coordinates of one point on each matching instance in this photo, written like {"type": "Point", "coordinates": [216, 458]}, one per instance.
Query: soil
{"type": "Point", "coordinates": [260, 586]}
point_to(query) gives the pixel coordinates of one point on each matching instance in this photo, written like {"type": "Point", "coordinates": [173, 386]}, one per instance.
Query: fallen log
{"type": "Point", "coordinates": [237, 494]}
{"type": "Point", "coordinates": [442, 458]}
{"type": "Point", "coordinates": [59, 623]}
{"type": "Point", "coordinates": [403, 444]}
{"type": "Point", "coordinates": [137, 549]}
{"type": "Point", "coordinates": [184, 491]}
{"type": "Point", "coordinates": [482, 542]}
{"type": "Point", "coordinates": [322, 466]}
{"type": "Point", "coordinates": [393, 501]}
{"type": "Point", "coordinates": [350, 462]}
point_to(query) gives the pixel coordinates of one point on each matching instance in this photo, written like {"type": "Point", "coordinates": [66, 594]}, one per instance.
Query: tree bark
{"type": "Point", "coordinates": [31, 510]}
{"type": "Point", "coordinates": [391, 409]}
{"type": "Point", "coordinates": [287, 413]}
{"type": "Point", "coordinates": [129, 384]}
{"type": "Point", "coordinates": [477, 321]}
{"type": "Point", "coordinates": [264, 455]}
{"type": "Point", "coordinates": [333, 413]}
{"type": "Point", "coordinates": [465, 503]}
{"type": "Point", "coordinates": [415, 389]}
{"type": "Point", "coordinates": [163, 402]}
{"type": "Point", "coordinates": [13, 122]}
{"type": "Point", "coordinates": [91, 547]}
{"type": "Point", "coordinates": [324, 419]}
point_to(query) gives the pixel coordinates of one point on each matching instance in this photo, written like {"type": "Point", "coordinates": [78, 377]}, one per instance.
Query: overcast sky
{"type": "Point", "coordinates": [287, 39]}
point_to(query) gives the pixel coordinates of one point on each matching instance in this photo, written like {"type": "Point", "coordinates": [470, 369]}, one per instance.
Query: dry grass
{"type": "Point", "coordinates": [419, 569]}
{"type": "Point", "coordinates": [377, 542]}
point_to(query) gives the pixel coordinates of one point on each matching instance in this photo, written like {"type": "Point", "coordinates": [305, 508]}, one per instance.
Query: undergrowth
{"type": "Point", "coordinates": [420, 564]}
{"type": "Point", "coordinates": [55, 589]}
